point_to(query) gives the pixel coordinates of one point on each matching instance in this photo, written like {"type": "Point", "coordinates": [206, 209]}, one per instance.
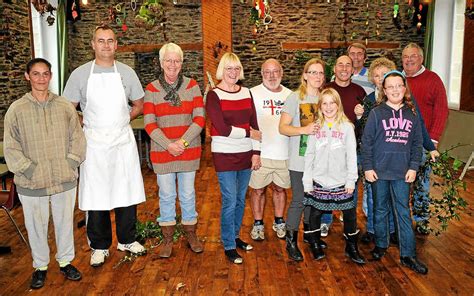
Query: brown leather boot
{"type": "Point", "coordinates": [167, 243]}
{"type": "Point", "coordinates": [193, 240]}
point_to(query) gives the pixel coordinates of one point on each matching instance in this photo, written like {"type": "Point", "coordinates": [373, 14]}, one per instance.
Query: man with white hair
{"type": "Point", "coordinates": [430, 94]}
{"type": "Point", "coordinates": [269, 97]}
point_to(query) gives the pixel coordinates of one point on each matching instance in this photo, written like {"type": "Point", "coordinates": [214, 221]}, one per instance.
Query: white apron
{"type": "Point", "coordinates": [110, 177]}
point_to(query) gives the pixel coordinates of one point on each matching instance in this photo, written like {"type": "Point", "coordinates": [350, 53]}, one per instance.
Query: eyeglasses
{"type": "Point", "coordinates": [315, 73]}
{"type": "Point", "coordinates": [170, 61]}
{"type": "Point", "coordinates": [232, 69]}
{"type": "Point", "coordinates": [271, 73]}
{"type": "Point", "coordinates": [394, 87]}
{"type": "Point", "coordinates": [411, 57]}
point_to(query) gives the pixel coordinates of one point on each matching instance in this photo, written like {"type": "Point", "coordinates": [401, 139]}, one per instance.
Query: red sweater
{"type": "Point", "coordinates": [232, 114]}
{"type": "Point", "coordinates": [166, 124]}
{"type": "Point", "coordinates": [430, 94]}
{"type": "Point", "coordinates": [351, 95]}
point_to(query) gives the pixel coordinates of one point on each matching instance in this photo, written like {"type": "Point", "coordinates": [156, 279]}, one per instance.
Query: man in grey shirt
{"type": "Point", "coordinates": [111, 175]}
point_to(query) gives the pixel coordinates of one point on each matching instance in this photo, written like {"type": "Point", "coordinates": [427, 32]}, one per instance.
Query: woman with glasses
{"type": "Point", "coordinates": [235, 148]}
{"type": "Point", "coordinates": [391, 155]}
{"type": "Point", "coordinates": [174, 118]}
{"type": "Point", "coordinates": [298, 121]}
{"type": "Point", "coordinates": [378, 68]}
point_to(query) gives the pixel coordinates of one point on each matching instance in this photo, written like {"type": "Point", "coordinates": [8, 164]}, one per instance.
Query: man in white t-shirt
{"type": "Point", "coordinates": [269, 98]}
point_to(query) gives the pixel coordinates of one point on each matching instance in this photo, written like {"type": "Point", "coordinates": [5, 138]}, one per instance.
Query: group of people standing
{"type": "Point", "coordinates": [310, 140]}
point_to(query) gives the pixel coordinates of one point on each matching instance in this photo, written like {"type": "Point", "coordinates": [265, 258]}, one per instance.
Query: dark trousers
{"type": "Point", "coordinates": [99, 227]}
{"type": "Point", "coordinates": [350, 219]}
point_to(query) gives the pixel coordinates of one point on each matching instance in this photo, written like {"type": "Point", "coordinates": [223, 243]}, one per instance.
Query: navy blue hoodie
{"type": "Point", "coordinates": [392, 142]}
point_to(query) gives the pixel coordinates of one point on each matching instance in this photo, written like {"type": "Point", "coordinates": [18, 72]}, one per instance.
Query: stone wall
{"type": "Point", "coordinates": [182, 24]}
{"type": "Point", "coordinates": [314, 21]}
{"type": "Point", "coordinates": [15, 52]}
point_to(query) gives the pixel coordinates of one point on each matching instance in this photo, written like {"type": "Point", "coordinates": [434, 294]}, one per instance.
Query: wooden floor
{"type": "Point", "coordinates": [266, 269]}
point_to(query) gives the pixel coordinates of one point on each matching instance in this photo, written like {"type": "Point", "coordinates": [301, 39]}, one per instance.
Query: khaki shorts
{"type": "Point", "coordinates": [275, 171]}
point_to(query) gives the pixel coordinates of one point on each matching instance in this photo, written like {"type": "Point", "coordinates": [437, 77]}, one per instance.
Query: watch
{"type": "Point", "coordinates": [185, 143]}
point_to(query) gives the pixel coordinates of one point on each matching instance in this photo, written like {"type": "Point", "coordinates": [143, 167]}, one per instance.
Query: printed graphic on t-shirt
{"type": "Point", "coordinates": [397, 130]}
{"type": "Point", "coordinates": [274, 106]}
{"type": "Point", "coordinates": [308, 114]}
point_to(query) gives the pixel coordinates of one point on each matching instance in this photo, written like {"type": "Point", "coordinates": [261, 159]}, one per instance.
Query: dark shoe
{"type": "Point", "coordinates": [394, 238]}
{"type": "Point", "coordinates": [5, 249]}
{"type": "Point", "coordinates": [378, 253]}
{"type": "Point", "coordinates": [352, 251]}
{"type": "Point", "coordinates": [292, 245]}
{"type": "Point", "coordinates": [422, 227]}
{"type": "Point", "coordinates": [367, 238]}
{"type": "Point", "coordinates": [322, 244]}
{"type": "Point", "coordinates": [315, 244]}
{"type": "Point", "coordinates": [243, 245]}
{"type": "Point", "coordinates": [233, 256]}
{"type": "Point", "coordinates": [414, 264]}
{"type": "Point", "coordinates": [38, 278]}
{"type": "Point", "coordinates": [70, 272]}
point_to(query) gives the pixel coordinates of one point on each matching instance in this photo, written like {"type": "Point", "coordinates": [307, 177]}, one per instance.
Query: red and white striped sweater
{"type": "Point", "coordinates": [232, 114]}
{"type": "Point", "coordinates": [166, 124]}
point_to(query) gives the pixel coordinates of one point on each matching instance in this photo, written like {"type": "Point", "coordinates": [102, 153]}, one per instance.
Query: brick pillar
{"type": "Point", "coordinates": [216, 37]}
{"type": "Point", "coordinates": [216, 28]}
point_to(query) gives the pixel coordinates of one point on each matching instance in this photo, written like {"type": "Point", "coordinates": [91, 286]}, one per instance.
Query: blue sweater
{"type": "Point", "coordinates": [392, 142]}
{"type": "Point", "coordinates": [427, 143]}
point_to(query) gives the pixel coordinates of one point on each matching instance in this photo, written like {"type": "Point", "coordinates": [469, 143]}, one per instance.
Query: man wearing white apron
{"type": "Point", "coordinates": [110, 178]}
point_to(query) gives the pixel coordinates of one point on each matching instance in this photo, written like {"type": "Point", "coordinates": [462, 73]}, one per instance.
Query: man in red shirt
{"type": "Point", "coordinates": [430, 94]}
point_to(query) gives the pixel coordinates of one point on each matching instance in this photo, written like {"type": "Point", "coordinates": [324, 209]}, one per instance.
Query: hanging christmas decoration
{"type": "Point", "coordinates": [396, 16]}
{"type": "Point", "coordinates": [151, 13]}
{"type": "Point", "coordinates": [260, 15]}
{"type": "Point", "coordinates": [418, 24]}
{"type": "Point", "coordinates": [43, 6]}
{"type": "Point", "coordinates": [367, 28]}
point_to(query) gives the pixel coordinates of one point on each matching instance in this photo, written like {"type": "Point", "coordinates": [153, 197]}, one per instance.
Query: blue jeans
{"type": "Point", "coordinates": [186, 194]}
{"type": "Point", "coordinates": [234, 186]}
{"type": "Point", "coordinates": [421, 200]}
{"type": "Point", "coordinates": [396, 192]}
{"type": "Point", "coordinates": [370, 210]}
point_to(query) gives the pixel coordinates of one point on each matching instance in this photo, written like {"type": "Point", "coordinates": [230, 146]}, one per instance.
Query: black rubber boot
{"type": "Point", "coordinates": [292, 245]}
{"type": "Point", "coordinates": [352, 251]}
{"type": "Point", "coordinates": [414, 264]}
{"type": "Point", "coordinates": [378, 253]}
{"type": "Point", "coordinates": [306, 239]}
{"type": "Point", "coordinates": [315, 245]}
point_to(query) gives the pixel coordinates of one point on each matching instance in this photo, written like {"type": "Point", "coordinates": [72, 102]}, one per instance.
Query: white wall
{"type": "Point", "coordinates": [45, 40]}
{"type": "Point", "coordinates": [448, 39]}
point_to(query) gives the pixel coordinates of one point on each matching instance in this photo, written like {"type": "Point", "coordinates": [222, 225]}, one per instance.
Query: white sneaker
{"type": "Point", "coordinates": [135, 248]}
{"type": "Point", "coordinates": [280, 229]}
{"type": "Point", "coordinates": [324, 230]}
{"type": "Point", "coordinates": [98, 257]}
{"type": "Point", "coordinates": [258, 232]}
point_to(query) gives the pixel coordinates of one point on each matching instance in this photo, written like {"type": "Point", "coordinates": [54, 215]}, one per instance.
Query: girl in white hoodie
{"type": "Point", "coordinates": [330, 174]}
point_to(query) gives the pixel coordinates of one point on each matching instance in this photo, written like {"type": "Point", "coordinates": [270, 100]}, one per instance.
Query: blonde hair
{"type": "Point", "coordinates": [170, 48]}
{"type": "Point", "coordinates": [334, 95]}
{"type": "Point", "coordinates": [380, 62]}
{"type": "Point", "coordinates": [227, 59]}
{"type": "Point", "coordinates": [302, 89]}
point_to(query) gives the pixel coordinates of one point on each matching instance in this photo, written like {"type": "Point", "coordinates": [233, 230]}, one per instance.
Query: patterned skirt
{"type": "Point", "coordinates": [329, 199]}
